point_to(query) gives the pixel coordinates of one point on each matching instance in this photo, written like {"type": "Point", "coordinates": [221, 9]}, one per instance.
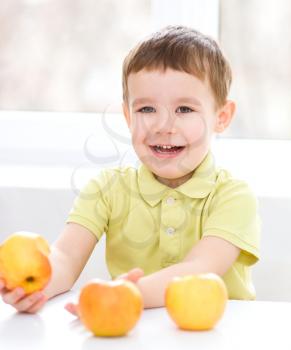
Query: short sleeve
{"type": "Point", "coordinates": [233, 216]}
{"type": "Point", "coordinates": [91, 207]}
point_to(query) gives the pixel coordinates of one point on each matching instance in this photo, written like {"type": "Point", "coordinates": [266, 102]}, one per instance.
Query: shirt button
{"type": "Point", "coordinates": [170, 230]}
{"type": "Point", "coordinates": [170, 200]}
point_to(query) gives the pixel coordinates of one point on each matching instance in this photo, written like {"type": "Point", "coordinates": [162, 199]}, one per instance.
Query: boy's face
{"type": "Point", "coordinates": [172, 108]}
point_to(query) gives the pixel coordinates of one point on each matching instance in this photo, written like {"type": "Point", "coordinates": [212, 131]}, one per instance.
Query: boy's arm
{"type": "Point", "coordinates": [69, 254]}
{"type": "Point", "coordinates": [211, 254]}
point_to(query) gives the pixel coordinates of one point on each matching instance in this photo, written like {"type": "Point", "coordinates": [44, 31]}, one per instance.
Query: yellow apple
{"type": "Point", "coordinates": [196, 302]}
{"type": "Point", "coordinates": [110, 308]}
{"type": "Point", "coordinates": [24, 262]}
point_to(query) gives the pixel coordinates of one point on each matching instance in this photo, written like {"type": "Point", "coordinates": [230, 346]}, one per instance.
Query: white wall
{"type": "Point", "coordinates": [36, 191]}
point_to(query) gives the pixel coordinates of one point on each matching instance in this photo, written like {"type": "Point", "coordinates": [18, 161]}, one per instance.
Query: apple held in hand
{"type": "Point", "coordinates": [110, 308]}
{"type": "Point", "coordinates": [24, 262]}
{"type": "Point", "coordinates": [196, 302]}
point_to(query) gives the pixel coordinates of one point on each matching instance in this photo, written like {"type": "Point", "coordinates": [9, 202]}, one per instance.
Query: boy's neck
{"type": "Point", "coordinates": [173, 183]}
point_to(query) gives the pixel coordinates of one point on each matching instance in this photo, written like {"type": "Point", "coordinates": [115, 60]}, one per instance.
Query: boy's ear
{"type": "Point", "coordinates": [126, 113]}
{"type": "Point", "coordinates": [224, 116]}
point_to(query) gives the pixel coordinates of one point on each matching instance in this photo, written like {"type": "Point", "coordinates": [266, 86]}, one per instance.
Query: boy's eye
{"type": "Point", "coordinates": [184, 109]}
{"type": "Point", "coordinates": [146, 109]}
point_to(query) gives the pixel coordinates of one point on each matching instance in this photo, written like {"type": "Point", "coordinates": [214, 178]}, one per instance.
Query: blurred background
{"type": "Point", "coordinates": [64, 55]}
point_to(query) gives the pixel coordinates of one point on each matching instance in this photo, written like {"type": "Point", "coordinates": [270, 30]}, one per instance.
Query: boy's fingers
{"type": "Point", "coordinates": [27, 302]}
{"type": "Point", "coordinates": [124, 275]}
{"type": "Point", "coordinates": [137, 272]}
{"type": "Point", "coordinates": [72, 308]}
{"type": "Point", "coordinates": [13, 296]}
{"type": "Point", "coordinates": [133, 275]}
{"type": "Point", "coordinates": [35, 307]}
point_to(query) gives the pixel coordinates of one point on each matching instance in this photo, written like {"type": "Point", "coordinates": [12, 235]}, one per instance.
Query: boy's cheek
{"type": "Point", "coordinates": [142, 125]}
{"type": "Point", "coordinates": [199, 137]}
{"type": "Point", "coordinates": [139, 139]}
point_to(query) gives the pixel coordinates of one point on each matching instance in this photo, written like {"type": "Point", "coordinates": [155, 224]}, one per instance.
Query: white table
{"type": "Point", "coordinates": [245, 325]}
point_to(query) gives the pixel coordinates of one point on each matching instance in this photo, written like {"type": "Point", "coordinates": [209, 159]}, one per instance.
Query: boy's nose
{"type": "Point", "coordinates": [165, 122]}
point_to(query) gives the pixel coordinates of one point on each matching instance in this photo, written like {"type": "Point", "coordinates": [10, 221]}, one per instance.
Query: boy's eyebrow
{"type": "Point", "coordinates": [192, 100]}
{"type": "Point", "coordinates": [141, 100]}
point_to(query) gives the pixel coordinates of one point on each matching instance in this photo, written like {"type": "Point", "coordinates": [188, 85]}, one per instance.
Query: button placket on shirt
{"type": "Point", "coordinates": [170, 230]}
{"type": "Point", "coordinates": [170, 244]}
{"type": "Point", "coordinates": [170, 200]}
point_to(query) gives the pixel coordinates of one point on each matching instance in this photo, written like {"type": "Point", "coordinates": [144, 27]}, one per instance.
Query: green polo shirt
{"type": "Point", "coordinates": [151, 226]}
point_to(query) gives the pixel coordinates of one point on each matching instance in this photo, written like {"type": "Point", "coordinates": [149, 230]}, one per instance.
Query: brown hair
{"type": "Point", "coordinates": [183, 49]}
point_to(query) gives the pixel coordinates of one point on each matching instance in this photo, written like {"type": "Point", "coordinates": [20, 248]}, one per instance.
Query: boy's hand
{"type": "Point", "coordinates": [21, 301]}
{"type": "Point", "coordinates": [133, 275]}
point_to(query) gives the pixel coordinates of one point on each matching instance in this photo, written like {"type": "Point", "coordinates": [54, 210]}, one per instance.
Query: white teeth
{"type": "Point", "coordinates": [165, 147]}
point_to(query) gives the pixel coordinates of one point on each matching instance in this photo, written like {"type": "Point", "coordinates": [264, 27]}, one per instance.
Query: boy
{"type": "Point", "coordinates": [176, 214]}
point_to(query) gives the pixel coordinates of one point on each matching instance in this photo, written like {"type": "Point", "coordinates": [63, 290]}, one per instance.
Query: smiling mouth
{"type": "Point", "coordinates": [167, 149]}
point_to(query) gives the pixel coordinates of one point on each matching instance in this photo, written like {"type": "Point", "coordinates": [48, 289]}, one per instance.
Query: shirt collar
{"type": "Point", "coordinates": [198, 186]}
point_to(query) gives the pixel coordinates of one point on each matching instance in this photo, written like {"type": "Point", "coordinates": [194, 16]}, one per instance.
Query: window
{"type": "Point", "coordinates": [256, 38]}
{"type": "Point", "coordinates": [64, 55]}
